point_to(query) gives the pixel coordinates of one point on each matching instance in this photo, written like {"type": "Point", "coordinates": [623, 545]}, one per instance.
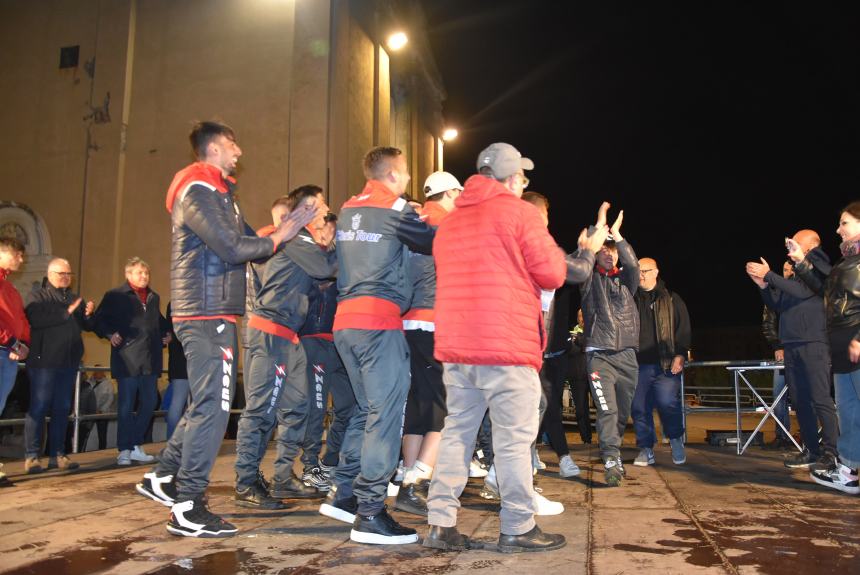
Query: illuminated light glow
{"type": "Point", "coordinates": [449, 134]}
{"type": "Point", "coordinates": [397, 41]}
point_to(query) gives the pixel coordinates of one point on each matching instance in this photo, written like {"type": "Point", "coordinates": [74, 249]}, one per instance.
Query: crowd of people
{"type": "Point", "coordinates": [441, 332]}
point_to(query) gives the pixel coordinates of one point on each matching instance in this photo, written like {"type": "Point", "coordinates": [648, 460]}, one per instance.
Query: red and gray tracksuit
{"type": "Point", "coordinates": [375, 232]}
{"type": "Point", "coordinates": [326, 374]}
{"type": "Point", "coordinates": [210, 245]}
{"type": "Point", "coordinates": [276, 387]}
{"type": "Point", "coordinates": [14, 330]}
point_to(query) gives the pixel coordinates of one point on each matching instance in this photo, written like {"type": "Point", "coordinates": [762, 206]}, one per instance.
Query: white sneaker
{"type": "Point", "coordinates": [476, 470]}
{"type": "Point", "coordinates": [398, 475]}
{"type": "Point", "coordinates": [393, 489]}
{"type": "Point", "coordinates": [546, 507]}
{"type": "Point", "coordinates": [537, 464]}
{"type": "Point", "coordinates": [138, 454]}
{"type": "Point", "coordinates": [124, 457]}
{"type": "Point", "coordinates": [645, 457]}
{"type": "Point", "coordinates": [567, 468]}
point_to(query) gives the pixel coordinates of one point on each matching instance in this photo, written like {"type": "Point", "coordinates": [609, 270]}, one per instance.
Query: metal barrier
{"type": "Point", "coordinates": [75, 417]}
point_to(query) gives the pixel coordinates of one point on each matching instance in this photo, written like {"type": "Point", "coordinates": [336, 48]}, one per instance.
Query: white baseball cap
{"type": "Point", "coordinates": [439, 182]}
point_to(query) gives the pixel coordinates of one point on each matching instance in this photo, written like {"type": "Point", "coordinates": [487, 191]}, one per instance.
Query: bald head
{"type": "Point", "coordinates": [648, 273]}
{"type": "Point", "coordinates": [59, 273]}
{"type": "Point", "coordinates": [807, 240]}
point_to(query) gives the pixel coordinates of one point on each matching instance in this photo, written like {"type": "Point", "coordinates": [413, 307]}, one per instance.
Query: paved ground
{"type": "Point", "coordinates": [719, 513]}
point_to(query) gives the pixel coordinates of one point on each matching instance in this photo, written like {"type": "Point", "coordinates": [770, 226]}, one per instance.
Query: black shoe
{"type": "Point", "coordinates": [412, 499]}
{"type": "Point", "coordinates": [263, 481]}
{"type": "Point", "coordinates": [381, 529]}
{"type": "Point", "coordinates": [800, 460]}
{"type": "Point", "coordinates": [446, 539]}
{"type": "Point", "coordinates": [192, 518]}
{"type": "Point", "coordinates": [341, 509]}
{"type": "Point", "coordinates": [293, 488]}
{"type": "Point", "coordinates": [257, 496]}
{"type": "Point", "coordinates": [159, 489]}
{"type": "Point", "coordinates": [534, 540]}
{"type": "Point", "coordinates": [823, 463]}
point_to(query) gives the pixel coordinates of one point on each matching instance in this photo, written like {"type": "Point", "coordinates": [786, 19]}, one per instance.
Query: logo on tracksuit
{"type": "Point", "coordinates": [356, 234]}
{"type": "Point", "coordinates": [226, 379]}
{"type": "Point", "coordinates": [598, 390]}
{"type": "Point", "coordinates": [280, 375]}
{"type": "Point", "coordinates": [319, 376]}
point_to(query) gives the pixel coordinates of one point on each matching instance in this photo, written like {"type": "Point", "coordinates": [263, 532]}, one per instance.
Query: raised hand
{"type": "Point", "coordinates": [71, 309]}
{"type": "Point", "coordinates": [615, 230]}
{"type": "Point", "coordinates": [758, 269]}
{"type": "Point", "coordinates": [795, 253]}
{"type": "Point", "coordinates": [593, 242]}
{"type": "Point", "coordinates": [301, 216]}
{"type": "Point", "coordinates": [601, 214]}
{"type": "Point", "coordinates": [90, 307]}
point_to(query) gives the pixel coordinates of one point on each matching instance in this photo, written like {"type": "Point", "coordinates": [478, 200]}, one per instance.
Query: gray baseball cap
{"type": "Point", "coordinates": [504, 160]}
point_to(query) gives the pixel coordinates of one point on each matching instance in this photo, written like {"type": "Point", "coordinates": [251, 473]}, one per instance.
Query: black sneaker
{"type": "Point", "coordinates": [800, 460]}
{"type": "Point", "coordinates": [446, 539]}
{"type": "Point", "coordinates": [613, 471]}
{"type": "Point", "coordinates": [381, 529]}
{"type": "Point", "coordinates": [192, 518]}
{"type": "Point", "coordinates": [823, 463]}
{"type": "Point", "coordinates": [293, 488]}
{"type": "Point", "coordinates": [412, 499]}
{"type": "Point", "coordinates": [159, 489]}
{"type": "Point", "coordinates": [263, 481]}
{"type": "Point", "coordinates": [534, 540]}
{"type": "Point", "coordinates": [256, 496]}
{"type": "Point", "coordinates": [342, 509]}
{"type": "Point", "coordinates": [314, 477]}
{"type": "Point", "coordinates": [838, 477]}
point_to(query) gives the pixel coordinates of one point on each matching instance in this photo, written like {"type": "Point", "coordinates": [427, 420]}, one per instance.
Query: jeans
{"type": "Point", "coordinates": [848, 404]}
{"type": "Point", "coordinates": [660, 389]}
{"type": "Point", "coordinates": [131, 427]}
{"type": "Point", "coordinates": [8, 373]}
{"type": "Point", "coordinates": [781, 409]}
{"type": "Point", "coordinates": [51, 392]}
{"type": "Point", "coordinates": [178, 401]}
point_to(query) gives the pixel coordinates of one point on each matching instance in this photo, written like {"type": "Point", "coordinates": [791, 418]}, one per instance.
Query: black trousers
{"type": "Point", "coordinates": [552, 383]}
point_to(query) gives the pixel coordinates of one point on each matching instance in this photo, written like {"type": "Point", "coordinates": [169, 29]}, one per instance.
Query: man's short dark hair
{"type": "Point", "coordinates": [204, 132]}
{"type": "Point", "coordinates": [298, 195]}
{"type": "Point", "coordinates": [12, 245]}
{"type": "Point", "coordinates": [537, 199]}
{"type": "Point", "coordinates": [610, 244]}
{"type": "Point", "coordinates": [377, 161]}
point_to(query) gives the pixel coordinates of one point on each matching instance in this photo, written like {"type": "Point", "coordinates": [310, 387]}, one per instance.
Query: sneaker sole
{"type": "Point", "coordinates": [337, 513]}
{"type": "Point", "coordinates": [146, 493]}
{"type": "Point", "coordinates": [267, 506]}
{"type": "Point", "coordinates": [291, 495]}
{"type": "Point", "coordinates": [682, 462]}
{"type": "Point", "coordinates": [798, 466]}
{"type": "Point", "coordinates": [573, 474]}
{"type": "Point", "coordinates": [410, 509]}
{"type": "Point", "coordinates": [320, 488]}
{"type": "Point", "coordinates": [201, 533]}
{"type": "Point", "coordinates": [393, 490]}
{"type": "Point", "coordinates": [644, 463]}
{"type": "Point", "coordinates": [377, 539]}
{"type": "Point", "coordinates": [478, 474]}
{"type": "Point", "coordinates": [518, 549]}
{"type": "Point", "coordinates": [837, 486]}
{"type": "Point", "coordinates": [547, 512]}
{"type": "Point", "coordinates": [442, 545]}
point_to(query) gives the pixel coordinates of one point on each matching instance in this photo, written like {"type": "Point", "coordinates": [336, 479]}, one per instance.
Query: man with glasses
{"type": "Point", "coordinates": [664, 340]}
{"type": "Point", "coordinates": [57, 316]}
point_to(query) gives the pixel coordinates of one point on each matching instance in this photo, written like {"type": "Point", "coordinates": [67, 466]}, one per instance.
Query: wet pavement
{"type": "Point", "coordinates": [718, 513]}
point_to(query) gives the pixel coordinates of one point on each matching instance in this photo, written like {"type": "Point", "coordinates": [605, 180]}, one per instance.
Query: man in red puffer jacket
{"type": "Point", "coordinates": [493, 255]}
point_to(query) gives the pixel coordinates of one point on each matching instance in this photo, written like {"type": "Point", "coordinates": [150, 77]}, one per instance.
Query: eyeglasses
{"type": "Point", "coordinates": [63, 274]}
{"type": "Point", "coordinates": [525, 180]}
{"type": "Point", "coordinates": [645, 272]}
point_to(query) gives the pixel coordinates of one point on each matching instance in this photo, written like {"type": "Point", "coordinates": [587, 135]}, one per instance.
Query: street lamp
{"type": "Point", "coordinates": [449, 134]}
{"type": "Point", "coordinates": [396, 41]}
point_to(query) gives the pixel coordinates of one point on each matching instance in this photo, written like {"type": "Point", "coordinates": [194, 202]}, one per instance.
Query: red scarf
{"type": "Point", "coordinates": [609, 273]}
{"type": "Point", "coordinates": [141, 293]}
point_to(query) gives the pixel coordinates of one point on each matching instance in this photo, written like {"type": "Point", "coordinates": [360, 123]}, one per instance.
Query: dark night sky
{"type": "Point", "coordinates": [718, 127]}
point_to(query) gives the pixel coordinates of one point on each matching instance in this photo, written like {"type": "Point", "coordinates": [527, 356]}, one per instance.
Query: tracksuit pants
{"type": "Point", "coordinates": [210, 350]}
{"type": "Point", "coordinates": [377, 362]}
{"type": "Point", "coordinates": [275, 392]}
{"type": "Point", "coordinates": [326, 374]}
{"type": "Point", "coordinates": [613, 376]}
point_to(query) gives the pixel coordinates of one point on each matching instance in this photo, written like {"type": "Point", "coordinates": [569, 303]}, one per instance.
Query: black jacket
{"type": "Point", "coordinates": [55, 335]}
{"type": "Point", "coordinates": [211, 243]}
{"type": "Point", "coordinates": [800, 309]}
{"type": "Point", "coordinates": [770, 328]}
{"type": "Point", "coordinates": [322, 305]}
{"type": "Point", "coordinates": [283, 282]}
{"type": "Point", "coordinates": [664, 326]}
{"type": "Point", "coordinates": [841, 290]}
{"type": "Point", "coordinates": [610, 314]}
{"type": "Point", "coordinates": [142, 328]}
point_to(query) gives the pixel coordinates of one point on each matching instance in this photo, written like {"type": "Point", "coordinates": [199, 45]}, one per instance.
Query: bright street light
{"type": "Point", "coordinates": [397, 41]}
{"type": "Point", "coordinates": [449, 134]}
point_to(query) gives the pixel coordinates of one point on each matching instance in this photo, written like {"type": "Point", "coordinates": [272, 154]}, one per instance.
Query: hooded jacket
{"type": "Point", "coordinates": [611, 316]}
{"type": "Point", "coordinates": [211, 243]}
{"type": "Point", "coordinates": [493, 256]}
